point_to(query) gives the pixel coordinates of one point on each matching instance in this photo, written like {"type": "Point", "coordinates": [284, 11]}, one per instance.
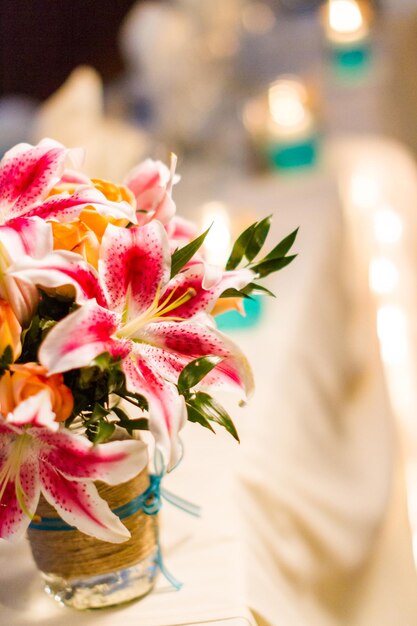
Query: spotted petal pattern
{"type": "Point", "coordinates": [133, 264]}
{"type": "Point", "coordinates": [170, 346]}
{"type": "Point", "coordinates": [65, 207]}
{"type": "Point", "coordinates": [207, 292]}
{"type": "Point", "coordinates": [58, 269]}
{"type": "Point", "coordinates": [27, 174]}
{"type": "Point", "coordinates": [36, 456]}
{"type": "Point", "coordinates": [151, 183]}
{"type": "Point", "coordinates": [167, 412]}
{"type": "Point", "coordinates": [80, 337]}
{"type": "Point", "coordinates": [18, 238]}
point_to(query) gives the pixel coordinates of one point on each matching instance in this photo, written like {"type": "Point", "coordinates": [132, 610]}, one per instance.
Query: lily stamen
{"type": "Point", "coordinates": [156, 313]}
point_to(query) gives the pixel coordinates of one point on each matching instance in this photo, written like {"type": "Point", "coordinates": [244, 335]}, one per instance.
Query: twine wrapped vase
{"type": "Point", "coordinates": [83, 572]}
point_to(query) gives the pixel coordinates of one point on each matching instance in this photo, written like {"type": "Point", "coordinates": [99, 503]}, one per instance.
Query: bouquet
{"type": "Point", "coordinates": [106, 302]}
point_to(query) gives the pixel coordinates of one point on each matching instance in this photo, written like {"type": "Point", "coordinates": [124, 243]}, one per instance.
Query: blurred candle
{"type": "Point", "coordinates": [217, 243]}
{"type": "Point", "coordinates": [383, 275]}
{"type": "Point", "coordinates": [290, 133]}
{"type": "Point", "coordinates": [392, 333]}
{"type": "Point", "coordinates": [346, 24]}
{"type": "Point", "coordinates": [388, 226]}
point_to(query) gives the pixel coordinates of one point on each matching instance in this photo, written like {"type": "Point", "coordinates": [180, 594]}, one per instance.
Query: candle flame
{"type": "Point", "coordinates": [286, 100]}
{"type": "Point", "coordinates": [345, 16]}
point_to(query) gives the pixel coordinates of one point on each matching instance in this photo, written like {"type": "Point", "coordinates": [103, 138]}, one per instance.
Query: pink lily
{"type": "Point", "coordinates": [36, 456]}
{"type": "Point", "coordinates": [151, 183]}
{"type": "Point", "coordinates": [18, 238]}
{"type": "Point", "coordinates": [154, 324]}
{"type": "Point", "coordinates": [28, 174]}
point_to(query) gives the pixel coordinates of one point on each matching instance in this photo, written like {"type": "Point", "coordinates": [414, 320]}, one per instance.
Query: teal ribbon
{"type": "Point", "coordinates": [150, 502]}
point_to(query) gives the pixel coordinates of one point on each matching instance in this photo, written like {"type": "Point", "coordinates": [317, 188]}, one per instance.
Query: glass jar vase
{"type": "Point", "coordinates": [83, 572]}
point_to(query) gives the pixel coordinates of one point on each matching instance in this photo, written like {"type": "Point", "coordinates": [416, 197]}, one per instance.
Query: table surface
{"type": "Point", "coordinates": [206, 554]}
{"type": "Point", "coordinates": [299, 462]}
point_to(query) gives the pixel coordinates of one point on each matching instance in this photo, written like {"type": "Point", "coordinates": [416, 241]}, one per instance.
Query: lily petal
{"type": "Point", "coordinates": [133, 264]}
{"type": "Point", "coordinates": [80, 337]}
{"type": "Point", "coordinates": [207, 289]}
{"type": "Point", "coordinates": [151, 183]}
{"type": "Point", "coordinates": [147, 175]}
{"type": "Point", "coordinates": [13, 520]}
{"type": "Point", "coordinates": [24, 235]}
{"type": "Point", "coordinates": [35, 410]}
{"type": "Point", "coordinates": [65, 207]}
{"type": "Point", "coordinates": [27, 174]}
{"type": "Point", "coordinates": [171, 345]}
{"type": "Point", "coordinates": [57, 269]}
{"type": "Point", "coordinates": [22, 298]}
{"type": "Point", "coordinates": [78, 459]}
{"type": "Point", "coordinates": [80, 505]}
{"type": "Point", "coordinates": [167, 412]}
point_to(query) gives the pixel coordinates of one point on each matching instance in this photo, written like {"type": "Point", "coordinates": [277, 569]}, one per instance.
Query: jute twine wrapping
{"type": "Point", "coordinates": [72, 554]}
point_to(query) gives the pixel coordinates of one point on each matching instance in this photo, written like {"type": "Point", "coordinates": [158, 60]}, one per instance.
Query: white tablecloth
{"type": "Point", "coordinates": [295, 519]}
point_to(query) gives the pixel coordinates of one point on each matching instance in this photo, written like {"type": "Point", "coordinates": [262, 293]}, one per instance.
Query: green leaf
{"type": "Point", "coordinates": [235, 293]}
{"type": "Point", "coordinates": [282, 248]}
{"type": "Point", "coordinates": [211, 410]}
{"type": "Point", "coordinates": [103, 361]}
{"type": "Point", "coordinates": [120, 413]}
{"type": "Point", "coordinates": [239, 247]}
{"type": "Point", "coordinates": [195, 371]}
{"type": "Point", "coordinates": [134, 398]}
{"type": "Point", "coordinates": [46, 325]}
{"type": "Point", "coordinates": [264, 268]}
{"type": "Point", "coordinates": [6, 359]}
{"type": "Point", "coordinates": [98, 412]}
{"type": "Point", "coordinates": [257, 240]}
{"type": "Point", "coordinates": [195, 416]}
{"type": "Point", "coordinates": [181, 256]}
{"type": "Point", "coordinates": [140, 423]}
{"type": "Point", "coordinates": [129, 424]}
{"type": "Point", "coordinates": [255, 288]}
{"type": "Point", "coordinates": [104, 431]}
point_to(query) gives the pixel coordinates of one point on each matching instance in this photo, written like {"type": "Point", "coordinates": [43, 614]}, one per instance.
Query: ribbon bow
{"type": "Point", "coordinates": [150, 502]}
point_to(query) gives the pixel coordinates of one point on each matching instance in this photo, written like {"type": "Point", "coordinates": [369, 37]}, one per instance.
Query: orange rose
{"type": "Point", "coordinates": [115, 193]}
{"type": "Point", "coordinates": [23, 381]}
{"type": "Point", "coordinates": [10, 330]}
{"type": "Point", "coordinates": [228, 304]}
{"type": "Point", "coordinates": [84, 234]}
{"type": "Point", "coordinates": [77, 237]}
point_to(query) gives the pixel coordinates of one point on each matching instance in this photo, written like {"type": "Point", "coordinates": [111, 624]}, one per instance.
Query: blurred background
{"type": "Point", "coordinates": [305, 109]}
{"type": "Point", "coordinates": [178, 67]}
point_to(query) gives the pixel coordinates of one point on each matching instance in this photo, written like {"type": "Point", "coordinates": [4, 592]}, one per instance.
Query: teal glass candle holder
{"type": "Point", "coordinates": [232, 320]}
{"type": "Point", "coordinates": [289, 156]}
{"type": "Point", "coordinates": [348, 61]}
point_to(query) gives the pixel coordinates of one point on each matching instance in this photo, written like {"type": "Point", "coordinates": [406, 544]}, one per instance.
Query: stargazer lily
{"type": "Point", "coordinates": [18, 238]}
{"type": "Point", "coordinates": [29, 173]}
{"type": "Point", "coordinates": [154, 324]}
{"type": "Point", "coordinates": [151, 183]}
{"type": "Point", "coordinates": [27, 176]}
{"type": "Point", "coordinates": [37, 456]}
